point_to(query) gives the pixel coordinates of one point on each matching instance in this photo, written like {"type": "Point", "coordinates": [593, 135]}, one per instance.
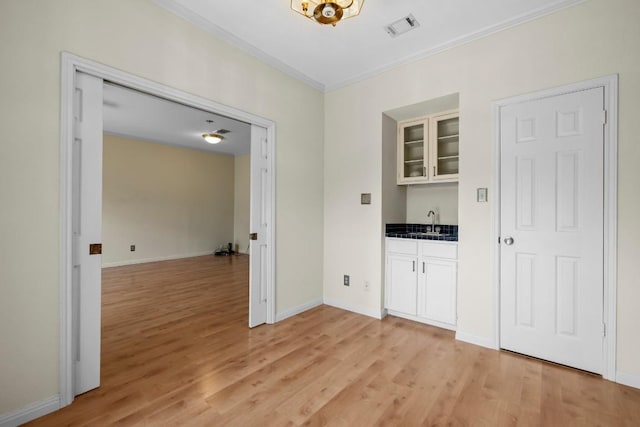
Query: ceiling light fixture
{"type": "Point", "coordinates": [212, 137]}
{"type": "Point", "coordinates": [327, 11]}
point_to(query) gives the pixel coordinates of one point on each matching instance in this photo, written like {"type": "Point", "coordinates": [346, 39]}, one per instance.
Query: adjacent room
{"type": "Point", "coordinates": [319, 213]}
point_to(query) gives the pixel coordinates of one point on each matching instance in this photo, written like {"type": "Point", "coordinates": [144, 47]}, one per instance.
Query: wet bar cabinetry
{"type": "Point", "coordinates": [421, 280]}
{"type": "Point", "coordinates": [428, 149]}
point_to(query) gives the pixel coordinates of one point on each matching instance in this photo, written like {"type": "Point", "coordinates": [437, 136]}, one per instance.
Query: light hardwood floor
{"type": "Point", "coordinates": [176, 350]}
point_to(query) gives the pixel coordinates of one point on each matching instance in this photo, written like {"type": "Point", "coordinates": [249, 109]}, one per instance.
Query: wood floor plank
{"type": "Point", "coordinates": [177, 351]}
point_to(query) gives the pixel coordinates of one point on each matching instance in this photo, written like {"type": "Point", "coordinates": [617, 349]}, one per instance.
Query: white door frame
{"type": "Point", "coordinates": [610, 85]}
{"type": "Point", "coordinates": [69, 65]}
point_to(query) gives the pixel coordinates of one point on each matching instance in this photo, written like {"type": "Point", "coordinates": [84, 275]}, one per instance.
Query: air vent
{"type": "Point", "coordinates": [222, 131]}
{"type": "Point", "coordinates": [401, 26]}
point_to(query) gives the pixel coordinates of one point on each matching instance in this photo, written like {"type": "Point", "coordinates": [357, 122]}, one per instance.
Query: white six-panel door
{"type": "Point", "coordinates": [551, 252]}
{"type": "Point", "coordinates": [87, 231]}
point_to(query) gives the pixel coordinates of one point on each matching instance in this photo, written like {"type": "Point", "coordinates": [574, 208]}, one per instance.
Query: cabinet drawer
{"type": "Point", "coordinates": [440, 250]}
{"type": "Point", "coordinates": [402, 246]}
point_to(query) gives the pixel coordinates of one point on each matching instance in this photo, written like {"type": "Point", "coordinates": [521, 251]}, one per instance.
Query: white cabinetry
{"type": "Point", "coordinates": [421, 279]}
{"type": "Point", "coordinates": [402, 272]}
{"type": "Point", "coordinates": [428, 149]}
{"type": "Point", "coordinates": [444, 148]}
{"type": "Point", "coordinates": [437, 296]}
{"type": "Point", "coordinates": [413, 151]}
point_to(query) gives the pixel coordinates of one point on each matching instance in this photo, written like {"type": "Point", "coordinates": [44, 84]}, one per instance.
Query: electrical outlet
{"type": "Point", "coordinates": [346, 280]}
{"type": "Point", "coordinates": [132, 248]}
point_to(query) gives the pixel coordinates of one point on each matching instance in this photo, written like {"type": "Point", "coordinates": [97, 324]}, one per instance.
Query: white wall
{"type": "Point", "coordinates": [393, 203]}
{"type": "Point", "coordinates": [242, 203]}
{"type": "Point", "coordinates": [143, 39]}
{"type": "Point", "coordinates": [592, 39]}
{"type": "Point", "coordinates": [394, 197]}
{"type": "Point", "coordinates": [441, 198]}
{"type": "Point", "coordinates": [169, 202]}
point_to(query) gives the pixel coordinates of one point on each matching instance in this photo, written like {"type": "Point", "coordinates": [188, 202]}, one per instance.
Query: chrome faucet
{"type": "Point", "coordinates": [432, 215]}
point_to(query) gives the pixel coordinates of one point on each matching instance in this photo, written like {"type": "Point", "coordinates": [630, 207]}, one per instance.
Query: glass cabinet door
{"type": "Point", "coordinates": [444, 150]}
{"type": "Point", "coordinates": [412, 151]}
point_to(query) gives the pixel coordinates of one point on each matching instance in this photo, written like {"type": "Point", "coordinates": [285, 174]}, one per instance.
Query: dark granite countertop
{"type": "Point", "coordinates": [448, 233]}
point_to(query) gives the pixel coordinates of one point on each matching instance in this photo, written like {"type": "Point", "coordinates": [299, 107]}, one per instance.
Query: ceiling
{"type": "Point", "coordinates": [138, 115]}
{"type": "Point", "coordinates": [329, 57]}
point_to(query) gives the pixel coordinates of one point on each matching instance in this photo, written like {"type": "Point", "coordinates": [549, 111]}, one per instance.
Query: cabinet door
{"type": "Point", "coordinates": [444, 148]}
{"type": "Point", "coordinates": [438, 290]}
{"type": "Point", "coordinates": [402, 283]}
{"type": "Point", "coordinates": [412, 151]}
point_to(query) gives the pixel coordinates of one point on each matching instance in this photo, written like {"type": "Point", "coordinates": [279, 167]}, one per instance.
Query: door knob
{"type": "Point", "coordinates": [253, 236]}
{"type": "Point", "coordinates": [508, 241]}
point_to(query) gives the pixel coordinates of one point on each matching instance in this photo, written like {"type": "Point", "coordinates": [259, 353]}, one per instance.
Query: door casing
{"type": "Point", "coordinates": [610, 85]}
{"type": "Point", "coordinates": [70, 64]}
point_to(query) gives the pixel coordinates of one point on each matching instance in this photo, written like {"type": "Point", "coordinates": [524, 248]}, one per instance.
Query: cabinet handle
{"type": "Point", "coordinates": [424, 171]}
{"type": "Point", "coordinates": [422, 267]}
{"type": "Point", "coordinates": [413, 265]}
{"type": "Point", "coordinates": [434, 171]}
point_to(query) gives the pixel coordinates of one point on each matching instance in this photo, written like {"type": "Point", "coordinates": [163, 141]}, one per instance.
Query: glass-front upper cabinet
{"type": "Point", "coordinates": [428, 149]}
{"type": "Point", "coordinates": [412, 151]}
{"type": "Point", "coordinates": [444, 151]}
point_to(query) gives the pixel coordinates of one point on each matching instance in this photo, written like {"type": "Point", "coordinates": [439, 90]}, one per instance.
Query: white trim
{"type": "Point", "coordinates": [30, 412]}
{"type": "Point", "coordinates": [222, 34]}
{"type": "Point", "coordinates": [299, 309]}
{"type": "Point", "coordinates": [421, 320]}
{"type": "Point", "coordinates": [628, 379]}
{"type": "Point", "coordinates": [459, 41]}
{"type": "Point", "coordinates": [271, 225]}
{"type": "Point", "coordinates": [610, 85]}
{"type": "Point", "coordinates": [154, 259]}
{"type": "Point", "coordinates": [208, 26]}
{"type": "Point", "coordinates": [360, 310]}
{"type": "Point", "coordinates": [476, 340]}
{"type": "Point", "coordinates": [69, 65]}
{"type": "Point", "coordinates": [67, 76]}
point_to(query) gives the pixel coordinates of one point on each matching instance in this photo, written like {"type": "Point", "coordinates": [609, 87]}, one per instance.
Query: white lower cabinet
{"type": "Point", "coordinates": [402, 272]}
{"type": "Point", "coordinates": [421, 280]}
{"type": "Point", "coordinates": [437, 291]}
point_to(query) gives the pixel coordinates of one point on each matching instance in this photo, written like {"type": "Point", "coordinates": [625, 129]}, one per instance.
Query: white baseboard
{"type": "Point", "coordinates": [297, 310]}
{"type": "Point", "coordinates": [30, 412]}
{"type": "Point", "coordinates": [365, 311]}
{"type": "Point", "coordinates": [155, 259]}
{"type": "Point", "coordinates": [421, 320]}
{"type": "Point", "coordinates": [625, 378]}
{"type": "Point", "coordinates": [474, 339]}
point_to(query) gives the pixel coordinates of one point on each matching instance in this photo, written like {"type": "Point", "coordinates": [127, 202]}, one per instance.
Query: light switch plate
{"type": "Point", "coordinates": [365, 198]}
{"type": "Point", "coordinates": [482, 195]}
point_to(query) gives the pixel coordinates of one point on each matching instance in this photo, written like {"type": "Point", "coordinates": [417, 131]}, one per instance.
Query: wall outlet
{"type": "Point", "coordinates": [132, 248]}
{"type": "Point", "coordinates": [346, 280]}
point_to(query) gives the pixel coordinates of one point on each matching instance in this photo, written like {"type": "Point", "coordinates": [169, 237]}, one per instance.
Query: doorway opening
{"type": "Point", "coordinates": [262, 207]}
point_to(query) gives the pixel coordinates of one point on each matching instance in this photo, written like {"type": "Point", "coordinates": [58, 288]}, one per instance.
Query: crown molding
{"type": "Point", "coordinates": [224, 35]}
{"type": "Point", "coordinates": [459, 41]}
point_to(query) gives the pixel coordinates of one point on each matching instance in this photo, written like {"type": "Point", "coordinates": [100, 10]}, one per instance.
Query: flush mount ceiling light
{"type": "Point", "coordinates": [212, 137]}
{"type": "Point", "coordinates": [327, 11]}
